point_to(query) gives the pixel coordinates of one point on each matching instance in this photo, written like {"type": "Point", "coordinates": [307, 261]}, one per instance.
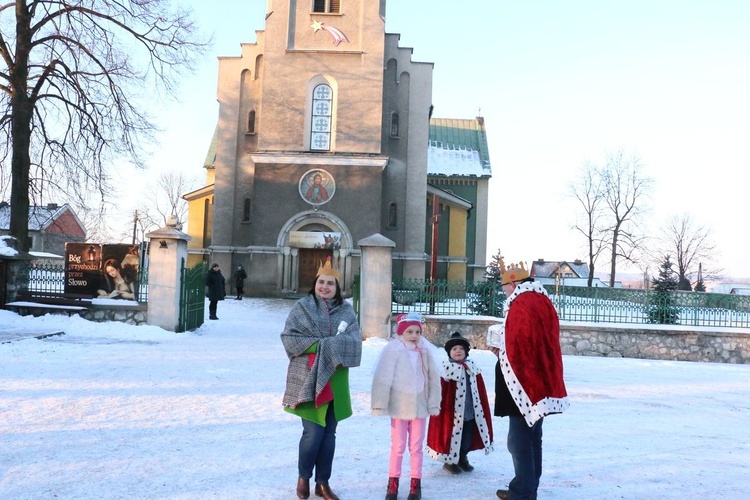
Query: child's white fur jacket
{"type": "Point", "coordinates": [406, 382]}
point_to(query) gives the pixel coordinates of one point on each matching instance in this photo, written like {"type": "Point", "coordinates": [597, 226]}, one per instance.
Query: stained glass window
{"type": "Point", "coordinates": [320, 138]}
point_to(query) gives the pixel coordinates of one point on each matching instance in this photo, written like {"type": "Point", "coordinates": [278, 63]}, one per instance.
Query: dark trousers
{"type": "Point", "coordinates": [240, 291]}
{"type": "Point", "coordinates": [525, 446]}
{"type": "Point", "coordinates": [212, 308]}
{"type": "Point", "coordinates": [467, 436]}
{"type": "Point", "coordinates": [316, 448]}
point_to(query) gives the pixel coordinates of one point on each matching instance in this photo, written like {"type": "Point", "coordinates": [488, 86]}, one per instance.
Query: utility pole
{"type": "Point", "coordinates": [435, 220]}
{"type": "Point", "coordinates": [135, 225]}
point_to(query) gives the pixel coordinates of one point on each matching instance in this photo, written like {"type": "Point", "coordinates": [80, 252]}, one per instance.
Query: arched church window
{"type": "Point", "coordinates": [327, 6]}
{"type": "Point", "coordinates": [246, 210]}
{"type": "Point", "coordinates": [251, 122]}
{"type": "Point", "coordinates": [322, 104]}
{"type": "Point", "coordinates": [394, 124]}
{"type": "Point", "coordinates": [392, 216]}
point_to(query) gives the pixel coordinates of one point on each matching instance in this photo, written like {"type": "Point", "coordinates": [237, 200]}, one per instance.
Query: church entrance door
{"type": "Point", "coordinates": [310, 260]}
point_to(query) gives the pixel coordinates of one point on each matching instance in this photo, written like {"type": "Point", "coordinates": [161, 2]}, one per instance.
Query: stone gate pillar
{"type": "Point", "coordinates": [376, 270]}
{"type": "Point", "coordinates": [167, 251]}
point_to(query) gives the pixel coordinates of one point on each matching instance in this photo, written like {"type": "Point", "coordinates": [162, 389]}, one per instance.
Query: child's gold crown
{"type": "Point", "coordinates": [514, 272]}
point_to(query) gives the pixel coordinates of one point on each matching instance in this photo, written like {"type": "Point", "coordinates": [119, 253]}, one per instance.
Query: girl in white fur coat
{"type": "Point", "coordinates": [406, 386]}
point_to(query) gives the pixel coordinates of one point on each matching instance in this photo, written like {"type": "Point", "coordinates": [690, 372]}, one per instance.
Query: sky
{"type": "Point", "coordinates": [559, 84]}
{"type": "Point", "coordinates": [112, 411]}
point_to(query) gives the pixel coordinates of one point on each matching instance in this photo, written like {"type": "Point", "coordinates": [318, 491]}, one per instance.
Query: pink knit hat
{"type": "Point", "coordinates": [404, 321]}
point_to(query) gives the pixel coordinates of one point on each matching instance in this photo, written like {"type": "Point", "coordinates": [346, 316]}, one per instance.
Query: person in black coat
{"type": "Point", "coordinates": [239, 281]}
{"type": "Point", "coordinates": [215, 284]}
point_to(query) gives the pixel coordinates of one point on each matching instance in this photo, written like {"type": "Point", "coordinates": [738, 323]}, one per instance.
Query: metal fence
{"type": "Point", "coordinates": [605, 305]}
{"type": "Point", "coordinates": [447, 297]}
{"type": "Point", "coordinates": [51, 278]}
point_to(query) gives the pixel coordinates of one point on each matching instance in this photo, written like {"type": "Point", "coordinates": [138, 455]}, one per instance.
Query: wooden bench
{"type": "Point", "coordinates": [38, 303]}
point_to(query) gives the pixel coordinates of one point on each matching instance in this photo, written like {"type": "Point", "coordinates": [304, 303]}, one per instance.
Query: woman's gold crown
{"type": "Point", "coordinates": [328, 269]}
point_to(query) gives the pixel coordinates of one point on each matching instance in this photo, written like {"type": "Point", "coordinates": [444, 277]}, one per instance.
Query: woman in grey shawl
{"type": "Point", "coordinates": [322, 339]}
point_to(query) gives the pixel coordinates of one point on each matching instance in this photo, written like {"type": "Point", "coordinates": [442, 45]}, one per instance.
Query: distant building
{"type": "Point", "coordinates": [732, 288]}
{"type": "Point", "coordinates": [50, 227]}
{"type": "Point", "coordinates": [563, 273]}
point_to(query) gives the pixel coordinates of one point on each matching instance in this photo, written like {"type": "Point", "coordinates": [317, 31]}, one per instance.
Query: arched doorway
{"type": "Point", "coordinates": [310, 259]}
{"type": "Point", "coordinates": [306, 240]}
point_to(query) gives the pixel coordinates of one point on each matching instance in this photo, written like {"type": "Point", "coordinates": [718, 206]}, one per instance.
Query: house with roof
{"type": "Point", "coordinates": [50, 227]}
{"type": "Point", "coordinates": [563, 273]}
{"type": "Point", "coordinates": [325, 136]}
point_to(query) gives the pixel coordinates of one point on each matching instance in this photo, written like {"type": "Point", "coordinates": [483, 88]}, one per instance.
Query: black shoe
{"type": "Point", "coordinates": [464, 464]}
{"type": "Point", "coordinates": [452, 468]}
{"type": "Point", "coordinates": [502, 494]}
{"type": "Point", "coordinates": [213, 317]}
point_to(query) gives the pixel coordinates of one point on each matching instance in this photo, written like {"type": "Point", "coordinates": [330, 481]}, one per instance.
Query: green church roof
{"type": "Point", "coordinates": [458, 147]}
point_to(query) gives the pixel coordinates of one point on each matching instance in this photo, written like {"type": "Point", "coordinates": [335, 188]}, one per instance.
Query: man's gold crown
{"type": "Point", "coordinates": [328, 269]}
{"type": "Point", "coordinates": [513, 272]}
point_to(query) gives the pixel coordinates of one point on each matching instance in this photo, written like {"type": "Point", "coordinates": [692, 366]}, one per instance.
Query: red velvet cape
{"type": "Point", "coordinates": [441, 426]}
{"type": "Point", "coordinates": [531, 359]}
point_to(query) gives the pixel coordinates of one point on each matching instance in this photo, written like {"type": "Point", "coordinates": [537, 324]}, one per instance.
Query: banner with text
{"type": "Point", "coordinates": [104, 271]}
{"type": "Point", "coordinates": [304, 239]}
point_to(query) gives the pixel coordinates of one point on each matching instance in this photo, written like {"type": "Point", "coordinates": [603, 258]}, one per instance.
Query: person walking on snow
{"type": "Point", "coordinates": [215, 283]}
{"type": "Point", "coordinates": [239, 281]}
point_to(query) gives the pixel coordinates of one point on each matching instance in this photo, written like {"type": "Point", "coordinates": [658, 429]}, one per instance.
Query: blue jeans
{"type": "Point", "coordinates": [525, 447]}
{"type": "Point", "coordinates": [316, 448]}
{"type": "Point", "coordinates": [467, 436]}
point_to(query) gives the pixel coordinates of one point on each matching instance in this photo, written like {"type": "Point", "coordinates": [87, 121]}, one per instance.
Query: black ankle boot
{"type": "Point", "coordinates": [452, 468]}
{"type": "Point", "coordinates": [463, 463]}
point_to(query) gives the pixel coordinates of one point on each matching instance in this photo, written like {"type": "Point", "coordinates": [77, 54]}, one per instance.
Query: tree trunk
{"type": "Point", "coordinates": [613, 265]}
{"type": "Point", "coordinates": [22, 108]}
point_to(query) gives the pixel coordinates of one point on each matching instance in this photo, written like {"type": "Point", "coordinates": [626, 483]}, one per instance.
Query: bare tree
{"type": "Point", "coordinates": [693, 248]}
{"type": "Point", "coordinates": [626, 191]}
{"type": "Point", "coordinates": [74, 78]}
{"type": "Point", "coordinates": [588, 190]}
{"type": "Point", "coordinates": [167, 195]}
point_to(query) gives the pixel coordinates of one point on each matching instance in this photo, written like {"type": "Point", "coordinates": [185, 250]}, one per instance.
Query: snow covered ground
{"type": "Point", "coordinates": [112, 411]}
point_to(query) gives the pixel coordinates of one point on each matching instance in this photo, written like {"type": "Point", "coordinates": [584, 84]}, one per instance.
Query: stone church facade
{"type": "Point", "coordinates": [322, 140]}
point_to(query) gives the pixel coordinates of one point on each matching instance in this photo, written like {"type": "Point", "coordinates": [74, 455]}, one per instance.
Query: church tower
{"type": "Point", "coordinates": [321, 141]}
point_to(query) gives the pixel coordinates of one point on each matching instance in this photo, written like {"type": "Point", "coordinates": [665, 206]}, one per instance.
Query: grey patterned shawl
{"type": "Point", "coordinates": [314, 320]}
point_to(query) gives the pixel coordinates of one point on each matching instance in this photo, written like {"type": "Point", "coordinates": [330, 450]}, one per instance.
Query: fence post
{"type": "Point", "coordinates": [376, 274]}
{"type": "Point", "coordinates": [15, 270]}
{"type": "Point", "coordinates": [167, 250]}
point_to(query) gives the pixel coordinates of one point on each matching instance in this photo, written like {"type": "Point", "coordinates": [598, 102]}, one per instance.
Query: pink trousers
{"type": "Point", "coordinates": [414, 431]}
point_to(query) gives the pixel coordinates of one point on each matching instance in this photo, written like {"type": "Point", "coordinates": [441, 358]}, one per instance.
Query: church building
{"type": "Point", "coordinates": [325, 137]}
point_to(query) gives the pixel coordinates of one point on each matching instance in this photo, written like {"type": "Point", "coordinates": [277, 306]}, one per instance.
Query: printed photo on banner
{"type": "Point", "coordinates": [119, 272]}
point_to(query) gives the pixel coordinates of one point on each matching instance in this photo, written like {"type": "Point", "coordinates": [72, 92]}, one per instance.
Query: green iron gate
{"type": "Point", "coordinates": [192, 296]}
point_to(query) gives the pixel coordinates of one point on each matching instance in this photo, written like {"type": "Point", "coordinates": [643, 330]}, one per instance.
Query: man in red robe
{"type": "Point", "coordinates": [528, 376]}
